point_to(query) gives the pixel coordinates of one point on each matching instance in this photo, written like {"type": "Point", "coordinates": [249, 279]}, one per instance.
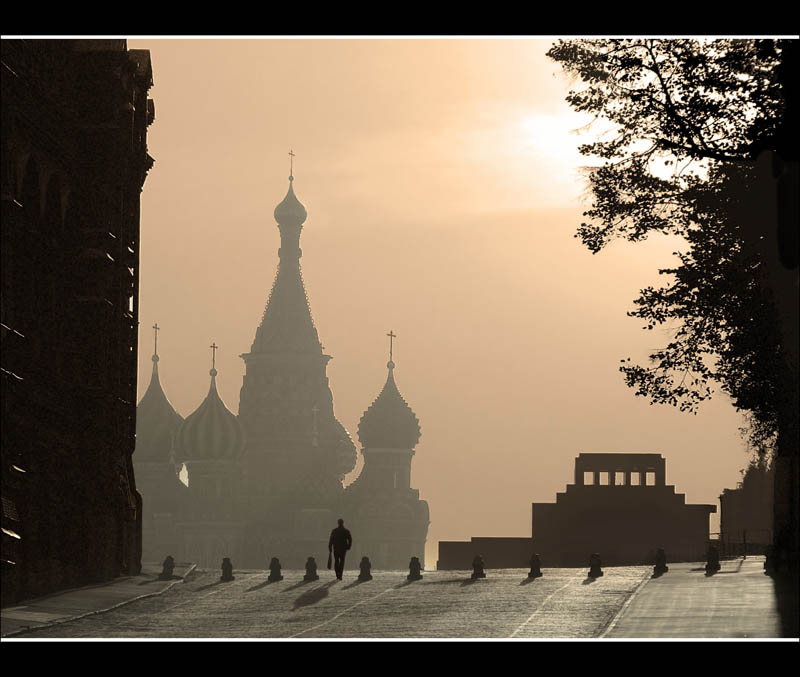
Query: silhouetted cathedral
{"type": "Point", "coordinates": [74, 159]}
{"type": "Point", "coordinates": [268, 482]}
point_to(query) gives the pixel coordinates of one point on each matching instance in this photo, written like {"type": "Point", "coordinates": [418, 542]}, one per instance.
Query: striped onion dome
{"type": "Point", "coordinates": [156, 422]}
{"type": "Point", "coordinates": [389, 423]}
{"type": "Point", "coordinates": [212, 432]}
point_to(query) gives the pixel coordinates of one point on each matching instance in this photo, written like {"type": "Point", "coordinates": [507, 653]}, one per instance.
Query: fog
{"type": "Point", "coordinates": [443, 191]}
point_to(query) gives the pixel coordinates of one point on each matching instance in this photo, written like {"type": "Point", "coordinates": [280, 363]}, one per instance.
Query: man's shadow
{"type": "Point", "coordinates": [313, 596]}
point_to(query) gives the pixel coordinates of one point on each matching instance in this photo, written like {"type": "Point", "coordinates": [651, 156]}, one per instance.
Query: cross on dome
{"type": "Point", "coordinates": [214, 347]}
{"type": "Point", "coordinates": [155, 330]}
{"type": "Point", "coordinates": [391, 336]}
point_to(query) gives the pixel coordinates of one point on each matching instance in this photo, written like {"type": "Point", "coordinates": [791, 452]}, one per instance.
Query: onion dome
{"type": "Point", "coordinates": [389, 423]}
{"type": "Point", "coordinates": [291, 211]}
{"type": "Point", "coordinates": [156, 421]}
{"type": "Point", "coordinates": [212, 432]}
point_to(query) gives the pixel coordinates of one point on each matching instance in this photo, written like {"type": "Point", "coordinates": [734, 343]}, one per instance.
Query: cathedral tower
{"type": "Point", "coordinates": [386, 516]}
{"type": "Point", "coordinates": [163, 494]}
{"type": "Point", "coordinates": [297, 452]}
{"type": "Point", "coordinates": [211, 441]}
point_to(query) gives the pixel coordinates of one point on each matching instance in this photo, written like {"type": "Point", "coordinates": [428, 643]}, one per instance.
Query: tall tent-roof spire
{"type": "Point", "coordinates": [287, 325]}
{"type": "Point", "coordinates": [156, 419]}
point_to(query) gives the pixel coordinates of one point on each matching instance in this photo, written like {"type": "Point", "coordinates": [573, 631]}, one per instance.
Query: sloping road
{"type": "Point", "coordinates": [738, 601]}
{"type": "Point", "coordinates": [626, 602]}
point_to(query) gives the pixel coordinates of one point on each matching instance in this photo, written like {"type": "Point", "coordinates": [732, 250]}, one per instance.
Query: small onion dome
{"type": "Point", "coordinates": [156, 422]}
{"type": "Point", "coordinates": [291, 211]}
{"type": "Point", "coordinates": [211, 432]}
{"type": "Point", "coordinates": [389, 423]}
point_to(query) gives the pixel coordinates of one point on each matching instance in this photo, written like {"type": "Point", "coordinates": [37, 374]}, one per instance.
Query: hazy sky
{"type": "Point", "coordinates": [440, 178]}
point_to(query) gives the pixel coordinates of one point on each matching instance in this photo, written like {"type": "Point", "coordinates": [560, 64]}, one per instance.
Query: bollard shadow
{"type": "Point", "coordinates": [155, 580]}
{"type": "Point", "coordinates": [528, 581]}
{"type": "Point", "coordinates": [259, 586]}
{"type": "Point", "coordinates": [657, 574]}
{"type": "Point", "coordinates": [470, 581]}
{"type": "Point", "coordinates": [312, 596]}
{"type": "Point", "coordinates": [446, 581]}
{"type": "Point", "coordinates": [589, 580]}
{"type": "Point", "coordinates": [355, 583]}
{"type": "Point", "coordinates": [405, 583]}
{"type": "Point", "coordinates": [173, 577]}
{"type": "Point", "coordinates": [206, 587]}
{"type": "Point", "coordinates": [299, 584]}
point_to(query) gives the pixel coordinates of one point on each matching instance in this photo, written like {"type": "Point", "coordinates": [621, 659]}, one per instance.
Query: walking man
{"type": "Point", "coordinates": [339, 544]}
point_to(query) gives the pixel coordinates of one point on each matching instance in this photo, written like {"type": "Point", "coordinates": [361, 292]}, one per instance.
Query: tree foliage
{"type": "Point", "coordinates": [688, 116]}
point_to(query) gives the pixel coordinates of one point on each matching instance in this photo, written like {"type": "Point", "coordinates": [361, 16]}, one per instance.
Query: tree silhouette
{"type": "Point", "coordinates": [703, 146]}
{"type": "Point", "coordinates": [689, 116]}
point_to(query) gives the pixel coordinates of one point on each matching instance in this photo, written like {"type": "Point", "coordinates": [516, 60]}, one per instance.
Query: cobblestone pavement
{"type": "Point", "coordinates": [444, 604]}
{"type": "Point", "coordinates": [564, 603]}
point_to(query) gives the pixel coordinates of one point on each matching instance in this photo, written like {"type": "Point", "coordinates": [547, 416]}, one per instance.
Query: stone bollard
{"type": "Point", "coordinates": [311, 570]}
{"type": "Point", "coordinates": [661, 563]}
{"type": "Point", "coordinates": [365, 566]}
{"type": "Point", "coordinates": [713, 565]}
{"type": "Point", "coordinates": [274, 570]}
{"type": "Point", "coordinates": [227, 570]}
{"type": "Point", "coordinates": [166, 571]}
{"type": "Point", "coordinates": [594, 566]}
{"type": "Point", "coordinates": [414, 569]}
{"type": "Point", "coordinates": [477, 568]}
{"type": "Point", "coordinates": [536, 566]}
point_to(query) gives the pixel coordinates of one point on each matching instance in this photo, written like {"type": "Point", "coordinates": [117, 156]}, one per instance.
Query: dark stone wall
{"type": "Point", "coordinates": [74, 159]}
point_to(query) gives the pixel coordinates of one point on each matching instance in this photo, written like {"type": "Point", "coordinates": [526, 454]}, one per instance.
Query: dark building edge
{"type": "Point", "coordinates": [74, 160]}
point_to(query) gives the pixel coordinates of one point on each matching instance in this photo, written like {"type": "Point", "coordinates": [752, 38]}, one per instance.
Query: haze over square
{"type": "Point", "coordinates": [442, 194]}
